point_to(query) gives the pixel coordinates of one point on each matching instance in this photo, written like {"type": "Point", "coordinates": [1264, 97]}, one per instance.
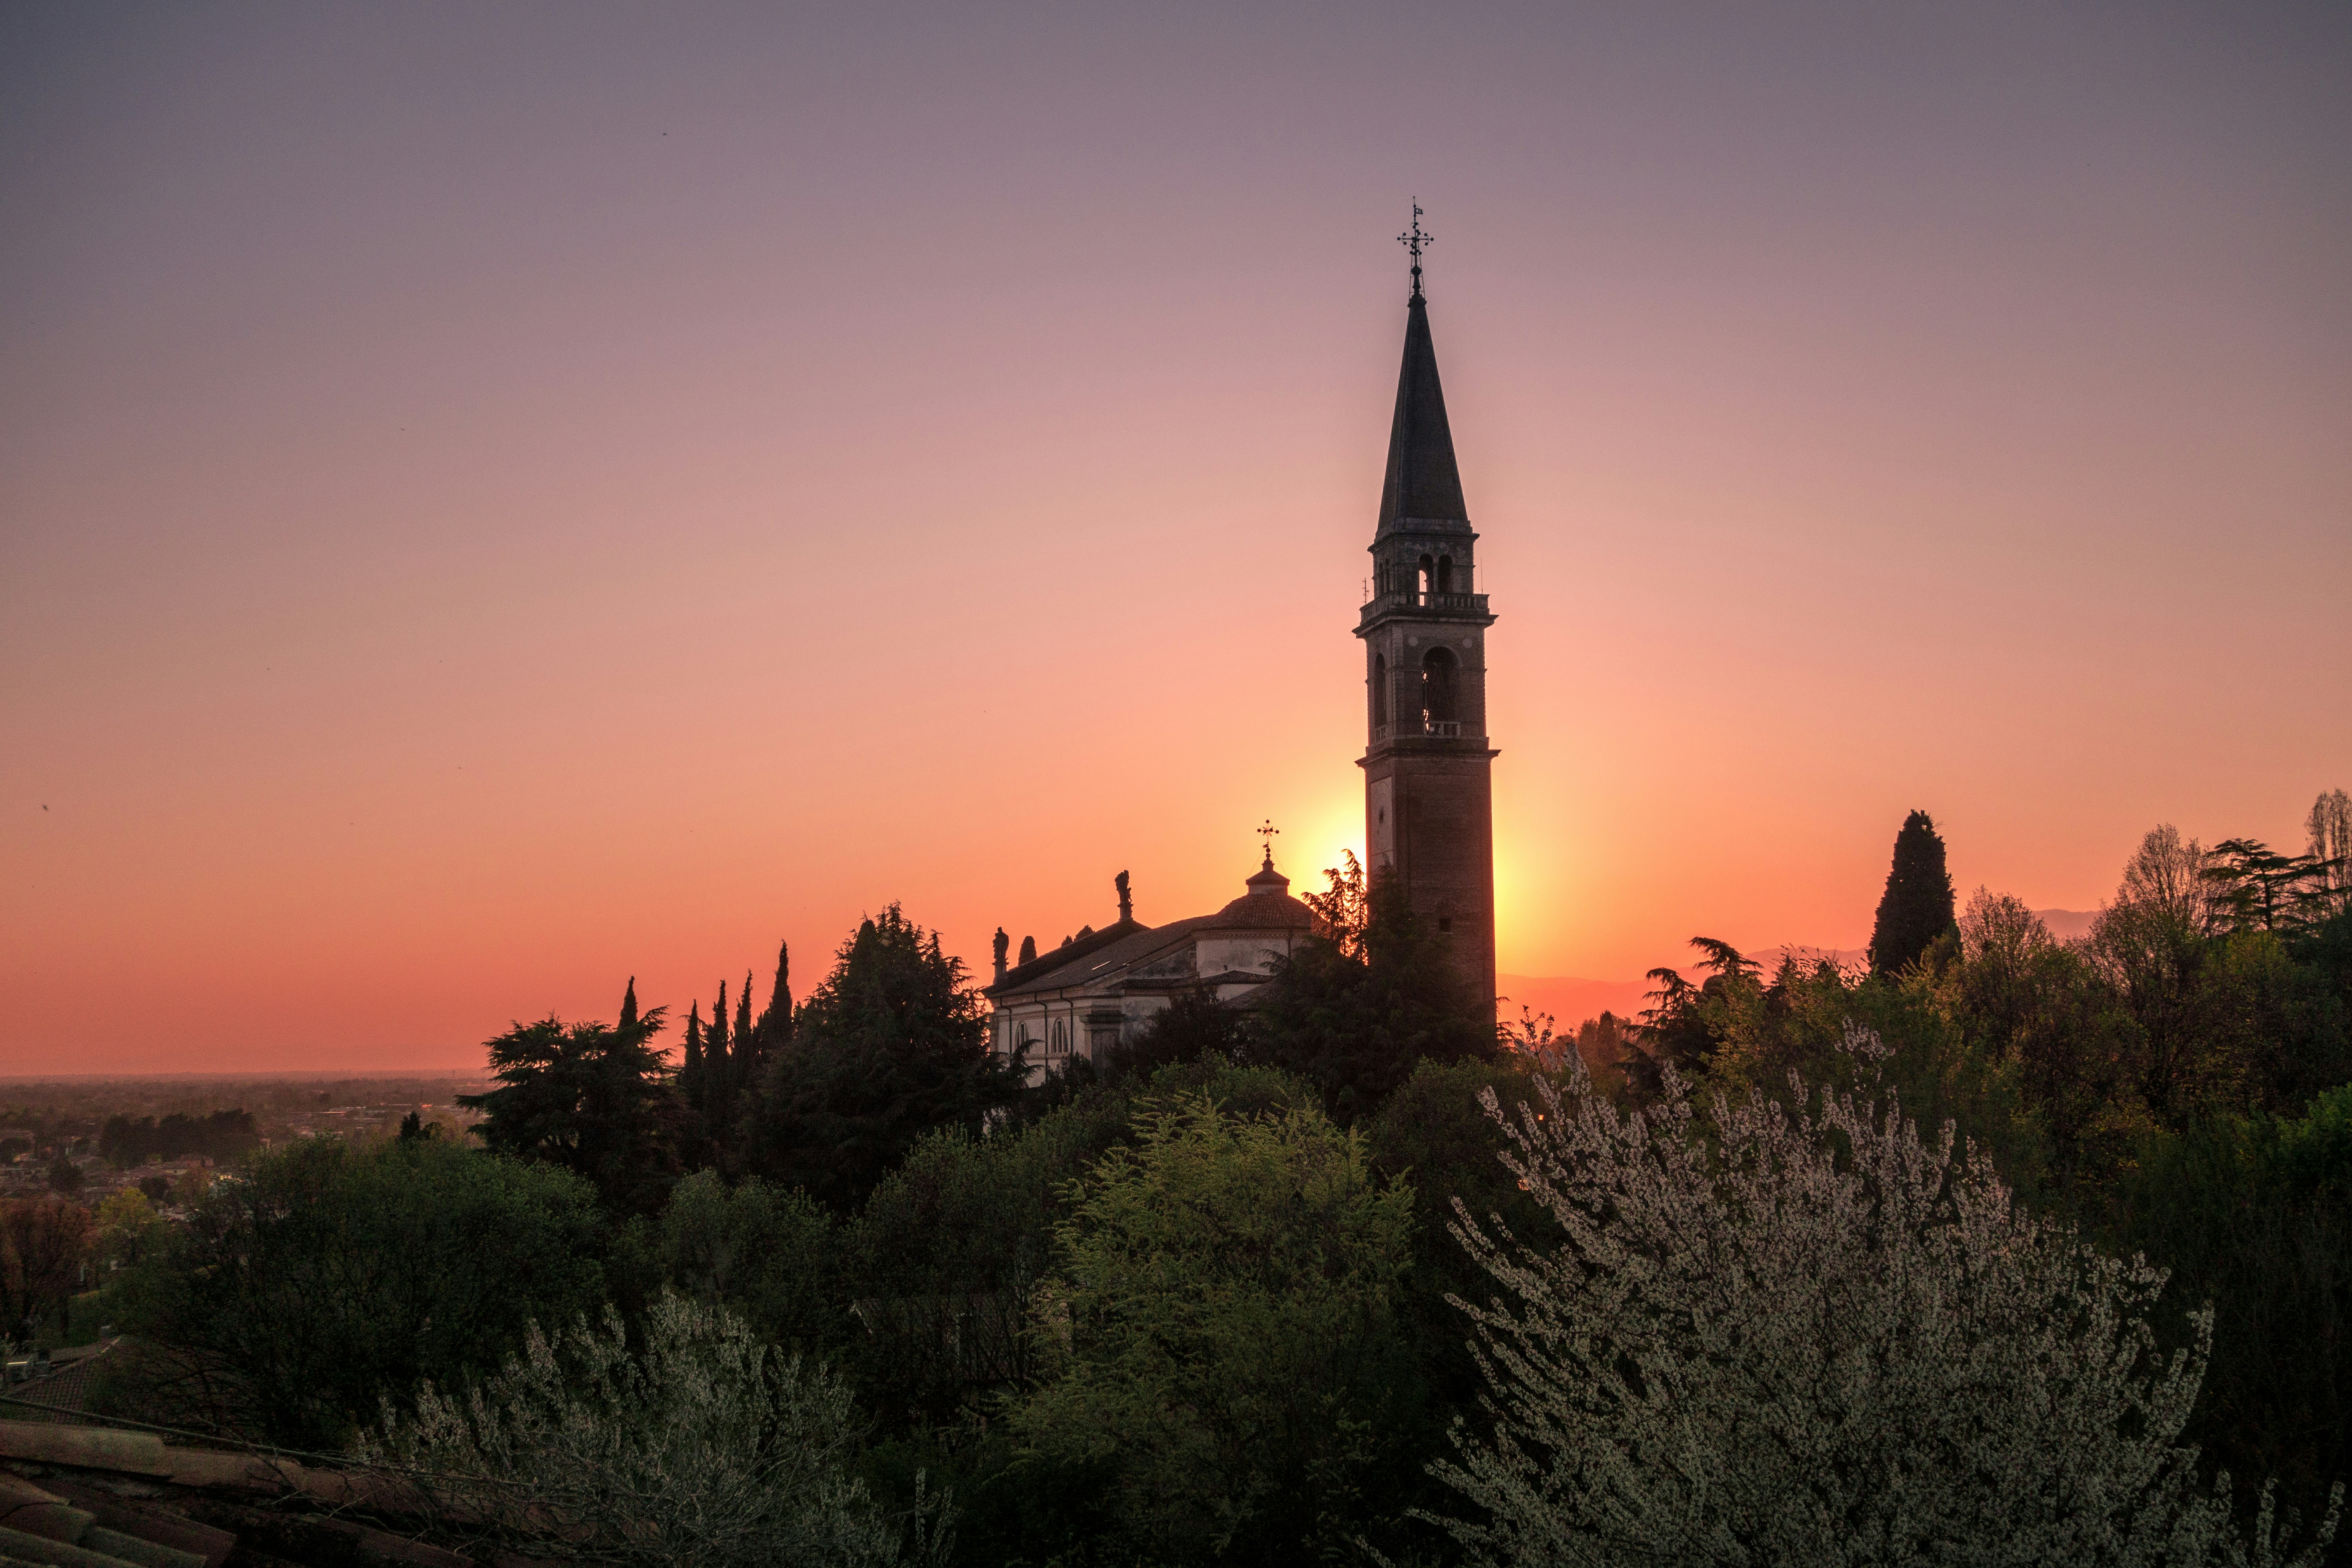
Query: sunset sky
{"type": "Point", "coordinates": [498, 498]}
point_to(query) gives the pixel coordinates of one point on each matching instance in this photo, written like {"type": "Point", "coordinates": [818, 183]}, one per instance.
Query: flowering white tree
{"type": "Point", "coordinates": [1802, 1336]}
{"type": "Point", "coordinates": [706, 1449]}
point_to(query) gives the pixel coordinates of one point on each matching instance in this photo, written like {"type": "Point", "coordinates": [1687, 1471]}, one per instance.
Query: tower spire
{"type": "Point", "coordinates": [1422, 482]}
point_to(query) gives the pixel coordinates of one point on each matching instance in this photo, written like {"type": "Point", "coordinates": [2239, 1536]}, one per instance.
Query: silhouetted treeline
{"type": "Point", "coordinates": [223, 1135]}
{"type": "Point", "coordinates": [1198, 1301]}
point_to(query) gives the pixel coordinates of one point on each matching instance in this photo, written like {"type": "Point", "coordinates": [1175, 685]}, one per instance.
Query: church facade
{"type": "Point", "coordinates": [1427, 764]}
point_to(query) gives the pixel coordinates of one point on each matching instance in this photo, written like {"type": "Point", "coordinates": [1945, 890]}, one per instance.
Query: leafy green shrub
{"type": "Point", "coordinates": [1222, 1330]}
{"type": "Point", "coordinates": [705, 1450]}
{"type": "Point", "coordinates": [768, 1255]}
{"type": "Point", "coordinates": [948, 1248]}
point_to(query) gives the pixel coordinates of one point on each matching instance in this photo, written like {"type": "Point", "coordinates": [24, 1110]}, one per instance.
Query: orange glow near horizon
{"type": "Point", "coordinates": [487, 511]}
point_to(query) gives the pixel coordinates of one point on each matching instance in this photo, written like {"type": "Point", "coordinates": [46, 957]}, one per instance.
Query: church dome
{"type": "Point", "coordinates": [1267, 905]}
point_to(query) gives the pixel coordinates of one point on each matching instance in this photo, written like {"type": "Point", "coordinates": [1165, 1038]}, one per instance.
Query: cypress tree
{"type": "Point", "coordinates": [719, 1080]}
{"type": "Point", "coordinates": [629, 1004]}
{"type": "Point", "coordinates": [747, 1045]}
{"type": "Point", "coordinates": [689, 1075]}
{"type": "Point", "coordinates": [776, 1023]}
{"type": "Point", "coordinates": [1916, 907]}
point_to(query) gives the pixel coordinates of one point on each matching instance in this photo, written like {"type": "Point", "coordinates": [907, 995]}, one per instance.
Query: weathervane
{"type": "Point", "coordinates": [1269, 832]}
{"type": "Point", "coordinates": [1415, 241]}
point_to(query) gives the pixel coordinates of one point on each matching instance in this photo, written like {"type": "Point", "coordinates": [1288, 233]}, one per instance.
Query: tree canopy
{"type": "Point", "coordinates": [328, 1278]}
{"type": "Point", "coordinates": [1227, 1290]}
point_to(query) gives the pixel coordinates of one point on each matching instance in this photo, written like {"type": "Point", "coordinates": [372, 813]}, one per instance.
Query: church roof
{"type": "Point", "coordinates": [1267, 906]}
{"type": "Point", "coordinates": [1422, 480]}
{"type": "Point", "coordinates": [1073, 965]}
{"type": "Point", "coordinates": [1068, 952]}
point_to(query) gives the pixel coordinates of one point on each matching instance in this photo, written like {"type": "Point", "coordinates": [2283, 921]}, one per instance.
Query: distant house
{"type": "Point", "coordinates": [1102, 987]}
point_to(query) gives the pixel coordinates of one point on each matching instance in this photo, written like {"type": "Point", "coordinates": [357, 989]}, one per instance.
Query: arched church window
{"type": "Point", "coordinates": [1439, 676]}
{"type": "Point", "coordinates": [1428, 570]}
{"type": "Point", "coordinates": [1380, 689]}
{"type": "Point", "coordinates": [1445, 573]}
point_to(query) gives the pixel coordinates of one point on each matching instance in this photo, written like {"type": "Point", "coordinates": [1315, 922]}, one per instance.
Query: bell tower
{"type": "Point", "coordinates": [1428, 797]}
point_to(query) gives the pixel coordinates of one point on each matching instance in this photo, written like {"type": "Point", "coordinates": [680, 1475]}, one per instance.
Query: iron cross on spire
{"type": "Point", "coordinates": [1416, 241]}
{"type": "Point", "coordinates": [1269, 832]}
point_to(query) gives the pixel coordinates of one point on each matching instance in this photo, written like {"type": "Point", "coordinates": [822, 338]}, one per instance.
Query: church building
{"type": "Point", "coordinates": [1428, 808]}
{"type": "Point", "coordinates": [1101, 987]}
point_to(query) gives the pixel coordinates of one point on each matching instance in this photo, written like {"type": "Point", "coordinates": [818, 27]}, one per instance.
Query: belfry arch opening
{"type": "Point", "coordinates": [1428, 574]}
{"type": "Point", "coordinates": [1440, 684]}
{"type": "Point", "coordinates": [1445, 575]}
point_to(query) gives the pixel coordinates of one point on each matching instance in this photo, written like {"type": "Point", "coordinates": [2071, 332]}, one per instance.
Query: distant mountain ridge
{"type": "Point", "coordinates": [1571, 999]}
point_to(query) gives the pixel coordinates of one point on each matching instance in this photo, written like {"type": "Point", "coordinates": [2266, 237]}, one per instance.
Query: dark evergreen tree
{"type": "Point", "coordinates": [629, 1005]}
{"type": "Point", "coordinates": [597, 1100]}
{"type": "Point", "coordinates": [690, 1074]}
{"type": "Point", "coordinates": [717, 1106]}
{"type": "Point", "coordinates": [746, 1048]}
{"type": "Point", "coordinates": [1916, 907]}
{"type": "Point", "coordinates": [2256, 888]}
{"type": "Point", "coordinates": [893, 1044]}
{"type": "Point", "coordinates": [775, 1025]}
{"type": "Point", "coordinates": [1028, 950]}
{"type": "Point", "coordinates": [1677, 1029]}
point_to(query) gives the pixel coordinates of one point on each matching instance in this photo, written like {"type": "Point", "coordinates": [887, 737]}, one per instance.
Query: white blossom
{"type": "Point", "coordinates": [1799, 1335]}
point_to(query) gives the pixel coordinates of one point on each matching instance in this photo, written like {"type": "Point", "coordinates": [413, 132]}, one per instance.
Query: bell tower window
{"type": "Point", "coordinates": [1440, 671]}
{"type": "Point", "coordinates": [1380, 689]}
{"type": "Point", "coordinates": [1428, 572]}
{"type": "Point", "coordinates": [1445, 573]}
